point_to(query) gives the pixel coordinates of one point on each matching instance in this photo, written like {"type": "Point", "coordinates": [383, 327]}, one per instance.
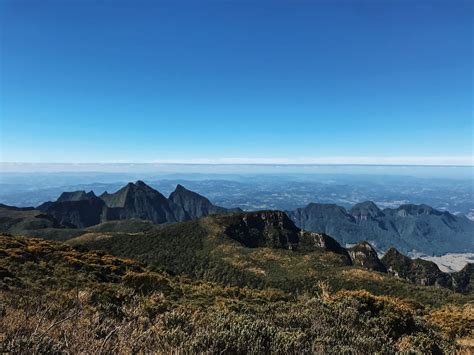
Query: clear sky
{"type": "Point", "coordinates": [251, 81]}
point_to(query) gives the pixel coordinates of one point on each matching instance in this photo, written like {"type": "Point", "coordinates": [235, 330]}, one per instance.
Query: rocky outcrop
{"type": "Point", "coordinates": [418, 271]}
{"type": "Point", "coordinates": [463, 280]}
{"type": "Point", "coordinates": [366, 211]}
{"type": "Point", "coordinates": [310, 241]}
{"type": "Point", "coordinates": [76, 196]}
{"type": "Point", "coordinates": [273, 229]}
{"type": "Point", "coordinates": [263, 229]}
{"type": "Point", "coordinates": [363, 254]}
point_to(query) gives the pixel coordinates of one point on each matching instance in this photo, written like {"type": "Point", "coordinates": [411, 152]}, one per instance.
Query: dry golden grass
{"type": "Point", "coordinates": [237, 262]}
{"type": "Point", "coordinates": [267, 254]}
{"type": "Point", "coordinates": [225, 248]}
{"type": "Point", "coordinates": [362, 274]}
{"type": "Point", "coordinates": [378, 302]}
{"type": "Point", "coordinates": [257, 271]}
{"type": "Point", "coordinates": [466, 346]}
{"type": "Point", "coordinates": [87, 237]}
{"type": "Point", "coordinates": [215, 230]}
{"type": "Point", "coordinates": [455, 321]}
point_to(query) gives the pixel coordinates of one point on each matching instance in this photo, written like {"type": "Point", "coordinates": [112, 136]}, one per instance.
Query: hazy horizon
{"type": "Point", "coordinates": [147, 169]}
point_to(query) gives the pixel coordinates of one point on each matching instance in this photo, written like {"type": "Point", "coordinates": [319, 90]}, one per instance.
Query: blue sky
{"type": "Point", "coordinates": [237, 81]}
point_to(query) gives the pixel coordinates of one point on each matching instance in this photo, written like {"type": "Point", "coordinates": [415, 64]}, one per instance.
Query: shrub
{"type": "Point", "coordinates": [147, 282]}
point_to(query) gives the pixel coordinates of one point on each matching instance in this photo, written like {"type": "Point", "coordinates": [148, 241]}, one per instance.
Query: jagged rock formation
{"type": "Point", "coordinates": [79, 209]}
{"type": "Point", "coordinates": [141, 201]}
{"type": "Point", "coordinates": [418, 271]}
{"type": "Point", "coordinates": [363, 254]}
{"type": "Point", "coordinates": [273, 229]}
{"type": "Point", "coordinates": [75, 209]}
{"type": "Point", "coordinates": [463, 280]}
{"type": "Point", "coordinates": [76, 196]}
{"type": "Point", "coordinates": [408, 228]}
{"type": "Point", "coordinates": [195, 205]}
{"type": "Point", "coordinates": [264, 229]}
{"type": "Point", "coordinates": [311, 240]}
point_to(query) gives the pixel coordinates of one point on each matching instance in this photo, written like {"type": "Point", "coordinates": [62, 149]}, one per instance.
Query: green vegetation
{"type": "Point", "coordinates": [202, 250]}
{"type": "Point", "coordinates": [56, 298]}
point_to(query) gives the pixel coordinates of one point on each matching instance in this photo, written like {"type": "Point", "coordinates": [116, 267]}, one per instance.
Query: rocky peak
{"type": "Point", "coordinates": [322, 211]}
{"type": "Point", "coordinates": [418, 271]}
{"type": "Point", "coordinates": [132, 194]}
{"type": "Point", "coordinates": [463, 280]}
{"type": "Point", "coordinates": [182, 192]}
{"type": "Point", "coordinates": [416, 210]}
{"type": "Point", "coordinates": [363, 254]}
{"type": "Point", "coordinates": [194, 204]}
{"type": "Point", "coordinates": [396, 263]}
{"type": "Point", "coordinates": [75, 209]}
{"type": "Point", "coordinates": [366, 210]}
{"type": "Point", "coordinates": [181, 188]}
{"type": "Point", "coordinates": [309, 241]}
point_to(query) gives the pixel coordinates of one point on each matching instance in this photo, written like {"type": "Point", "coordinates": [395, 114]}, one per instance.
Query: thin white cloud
{"type": "Point", "coordinates": [338, 160]}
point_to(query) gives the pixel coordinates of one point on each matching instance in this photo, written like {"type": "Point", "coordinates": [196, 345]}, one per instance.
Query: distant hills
{"type": "Point", "coordinates": [408, 228]}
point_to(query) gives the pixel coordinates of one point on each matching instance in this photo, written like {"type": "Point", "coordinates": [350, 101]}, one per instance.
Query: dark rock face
{"type": "Point", "coordinates": [141, 201]}
{"type": "Point", "coordinates": [366, 210]}
{"type": "Point", "coordinates": [79, 209]}
{"type": "Point", "coordinates": [264, 229]}
{"type": "Point", "coordinates": [76, 196]}
{"type": "Point", "coordinates": [417, 271]}
{"type": "Point", "coordinates": [273, 229]}
{"type": "Point", "coordinates": [310, 241]}
{"type": "Point", "coordinates": [194, 204]}
{"type": "Point", "coordinates": [363, 254]}
{"type": "Point", "coordinates": [408, 227]}
{"type": "Point", "coordinates": [75, 210]}
{"type": "Point", "coordinates": [463, 280]}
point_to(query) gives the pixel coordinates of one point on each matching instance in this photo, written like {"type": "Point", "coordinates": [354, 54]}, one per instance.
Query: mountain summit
{"type": "Point", "coordinates": [142, 201]}
{"type": "Point", "coordinates": [195, 205]}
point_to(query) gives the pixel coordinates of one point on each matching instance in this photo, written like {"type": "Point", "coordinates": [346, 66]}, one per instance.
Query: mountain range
{"type": "Point", "coordinates": [135, 200]}
{"type": "Point", "coordinates": [408, 228]}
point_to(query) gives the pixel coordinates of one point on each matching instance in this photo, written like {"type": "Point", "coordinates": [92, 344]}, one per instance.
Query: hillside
{"type": "Point", "coordinates": [409, 228]}
{"type": "Point", "coordinates": [56, 298]}
{"type": "Point", "coordinates": [263, 249]}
